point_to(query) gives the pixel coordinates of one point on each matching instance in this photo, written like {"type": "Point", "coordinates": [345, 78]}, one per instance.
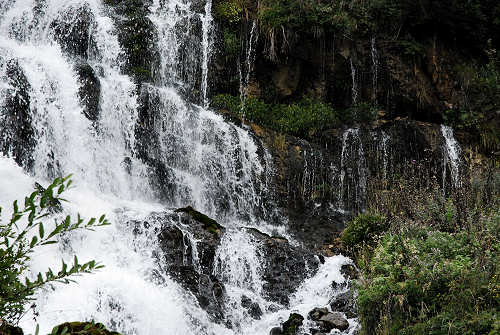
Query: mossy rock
{"type": "Point", "coordinates": [82, 328]}
{"type": "Point", "coordinates": [6, 329]}
{"type": "Point", "coordinates": [292, 325]}
{"type": "Point", "coordinates": [208, 223]}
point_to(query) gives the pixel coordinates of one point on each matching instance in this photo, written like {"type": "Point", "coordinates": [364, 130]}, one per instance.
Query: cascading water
{"type": "Point", "coordinates": [204, 162]}
{"type": "Point", "coordinates": [353, 171]}
{"type": "Point", "coordinates": [451, 156]}
{"type": "Point", "coordinates": [374, 54]}
{"type": "Point", "coordinates": [250, 54]}
{"type": "Point", "coordinates": [354, 83]}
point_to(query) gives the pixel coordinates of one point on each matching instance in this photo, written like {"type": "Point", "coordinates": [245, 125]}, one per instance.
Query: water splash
{"type": "Point", "coordinates": [451, 155]}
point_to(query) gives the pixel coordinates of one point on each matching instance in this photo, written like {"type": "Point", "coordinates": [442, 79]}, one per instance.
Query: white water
{"type": "Point", "coordinates": [249, 61]}
{"type": "Point", "coordinates": [374, 54]}
{"type": "Point", "coordinates": [354, 84]}
{"type": "Point", "coordinates": [452, 154]}
{"type": "Point", "coordinates": [212, 165]}
{"type": "Point", "coordinates": [353, 171]}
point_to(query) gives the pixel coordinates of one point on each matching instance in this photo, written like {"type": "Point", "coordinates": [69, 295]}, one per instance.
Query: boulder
{"type": "Point", "coordinates": [333, 320]}
{"type": "Point", "coordinates": [317, 313]}
{"type": "Point", "coordinates": [188, 240]}
{"type": "Point", "coordinates": [344, 302]}
{"type": "Point", "coordinates": [285, 266]}
{"type": "Point", "coordinates": [292, 325]}
{"type": "Point", "coordinates": [82, 328]}
{"type": "Point", "coordinates": [252, 308]}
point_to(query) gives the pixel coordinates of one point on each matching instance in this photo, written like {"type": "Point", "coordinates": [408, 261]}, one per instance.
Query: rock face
{"type": "Point", "coordinates": [323, 182]}
{"type": "Point", "coordinates": [72, 31]}
{"type": "Point", "coordinates": [17, 133]}
{"type": "Point", "coordinates": [189, 263]}
{"type": "Point", "coordinates": [285, 266]}
{"type": "Point", "coordinates": [89, 91]}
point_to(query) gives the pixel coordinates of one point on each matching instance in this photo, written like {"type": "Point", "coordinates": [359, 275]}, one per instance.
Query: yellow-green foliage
{"type": "Point", "coordinates": [363, 229]}
{"type": "Point", "coordinates": [230, 11]}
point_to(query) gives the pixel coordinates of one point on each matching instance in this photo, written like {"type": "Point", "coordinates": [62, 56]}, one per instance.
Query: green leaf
{"type": "Point", "coordinates": [41, 232]}
{"type": "Point", "coordinates": [33, 241]}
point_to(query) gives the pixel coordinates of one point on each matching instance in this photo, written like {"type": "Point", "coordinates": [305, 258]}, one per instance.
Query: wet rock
{"type": "Point", "coordinates": [333, 320]}
{"type": "Point", "coordinates": [292, 325]}
{"type": "Point", "coordinates": [6, 329]}
{"type": "Point", "coordinates": [89, 91]}
{"type": "Point", "coordinates": [82, 328]}
{"type": "Point", "coordinates": [17, 135]}
{"type": "Point", "coordinates": [188, 249]}
{"type": "Point", "coordinates": [209, 224]}
{"type": "Point", "coordinates": [72, 31]}
{"type": "Point", "coordinates": [253, 308]}
{"type": "Point", "coordinates": [344, 302]}
{"type": "Point", "coordinates": [285, 266]}
{"type": "Point", "coordinates": [137, 36]}
{"type": "Point", "coordinates": [276, 331]}
{"type": "Point", "coordinates": [349, 271]}
{"type": "Point", "coordinates": [317, 313]}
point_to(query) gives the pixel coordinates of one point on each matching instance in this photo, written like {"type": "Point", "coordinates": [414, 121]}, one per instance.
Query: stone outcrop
{"type": "Point", "coordinates": [285, 266]}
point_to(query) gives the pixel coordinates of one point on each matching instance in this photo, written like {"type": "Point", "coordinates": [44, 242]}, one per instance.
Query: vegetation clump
{"type": "Point", "coordinates": [434, 267]}
{"type": "Point", "coordinates": [24, 233]}
{"type": "Point", "coordinates": [208, 223]}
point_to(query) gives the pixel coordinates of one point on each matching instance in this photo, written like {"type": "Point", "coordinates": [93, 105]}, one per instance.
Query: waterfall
{"type": "Point", "coordinates": [353, 171]}
{"type": "Point", "coordinates": [451, 156]}
{"type": "Point", "coordinates": [207, 47]}
{"type": "Point", "coordinates": [374, 55]}
{"type": "Point", "coordinates": [249, 61]}
{"type": "Point", "coordinates": [136, 150]}
{"type": "Point", "coordinates": [354, 84]}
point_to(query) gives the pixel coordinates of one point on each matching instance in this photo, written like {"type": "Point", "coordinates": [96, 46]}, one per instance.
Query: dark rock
{"type": "Point", "coordinates": [253, 308]}
{"type": "Point", "coordinates": [72, 31]}
{"type": "Point", "coordinates": [82, 328]}
{"type": "Point", "coordinates": [209, 224]}
{"type": "Point", "coordinates": [285, 267]}
{"type": "Point", "coordinates": [345, 302]}
{"type": "Point", "coordinates": [89, 91]}
{"type": "Point", "coordinates": [137, 36]}
{"type": "Point", "coordinates": [177, 253]}
{"type": "Point", "coordinates": [349, 271]}
{"type": "Point", "coordinates": [17, 135]}
{"type": "Point", "coordinates": [292, 325]}
{"type": "Point", "coordinates": [317, 313]}
{"type": "Point", "coordinates": [276, 331]}
{"type": "Point", "coordinates": [6, 329]}
{"type": "Point", "coordinates": [333, 320]}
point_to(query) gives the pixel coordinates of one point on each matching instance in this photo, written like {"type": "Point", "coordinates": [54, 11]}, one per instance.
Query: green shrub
{"type": "Point", "coordinates": [422, 281]}
{"type": "Point", "coordinates": [229, 11]}
{"type": "Point", "coordinates": [363, 229]}
{"type": "Point", "coordinates": [304, 118]}
{"type": "Point", "coordinates": [22, 235]}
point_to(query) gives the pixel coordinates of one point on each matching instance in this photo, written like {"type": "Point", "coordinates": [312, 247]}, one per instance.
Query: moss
{"type": "Point", "coordinates": [292, 325]}
{"type": "Point", "coordinates": [82, 328]}
{"type": "Point", "coordinates": [208, 223]}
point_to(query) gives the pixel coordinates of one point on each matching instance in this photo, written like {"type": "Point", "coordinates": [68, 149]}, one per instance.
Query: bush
{"type": "Point", "coordinates": [22, 235]}
{"type": "Point", "coordinates": [304, 118]}
{"type": "Point", "coordinates": [432, 282]}
{"type": "Point", "coordinates": [363, 229]}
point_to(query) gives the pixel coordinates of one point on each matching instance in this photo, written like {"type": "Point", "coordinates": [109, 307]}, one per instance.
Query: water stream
{"type": "Point", "coordinates": [205, 162]}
